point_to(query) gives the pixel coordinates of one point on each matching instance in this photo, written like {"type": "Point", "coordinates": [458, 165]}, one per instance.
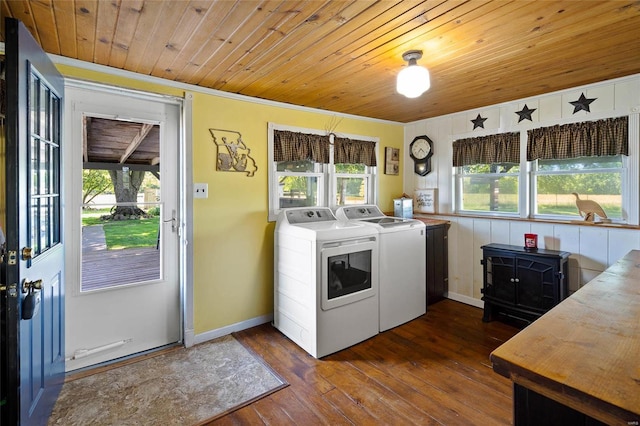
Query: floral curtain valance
{"type": "Point", "coordinates": [500, 148]}
{"type": "Point", "coordinates": [352, 151]}
{"type": "Point", "coordinates": [586, 139]}
{"type": "Point", "coordinates": [294, 146]}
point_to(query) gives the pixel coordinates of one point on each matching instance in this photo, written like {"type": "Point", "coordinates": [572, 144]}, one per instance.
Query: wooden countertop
{"type": "Point", "coordinates": [425, 219]}
{"type": "Point", "coordinates": [431, 222]}
{"type": "Point", "coordinates": [585, 352]}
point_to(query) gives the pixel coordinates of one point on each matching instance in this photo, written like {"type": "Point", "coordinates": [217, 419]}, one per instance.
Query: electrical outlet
{"type": "Point", "coordinates": [200, 190]}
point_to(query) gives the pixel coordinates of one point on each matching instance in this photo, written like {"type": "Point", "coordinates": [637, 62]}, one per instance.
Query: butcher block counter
{"type": "Point", "coordinates": [580, 362]}
{"type": "Point", "coordinates": [430, 221]}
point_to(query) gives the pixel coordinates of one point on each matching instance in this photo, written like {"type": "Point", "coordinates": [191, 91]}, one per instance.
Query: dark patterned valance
{"type": "Point", "coordinates": [293, 146]}
{"type": "Point", "coordinates": [500, 148]}
{"type": "Point", "coordinates": [586, 139]}
{"type": "Point", "coordinates": [352, 151]}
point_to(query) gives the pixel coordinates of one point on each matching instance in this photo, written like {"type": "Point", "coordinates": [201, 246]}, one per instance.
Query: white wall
{"type": "Point", "coordinates": [593, 248]}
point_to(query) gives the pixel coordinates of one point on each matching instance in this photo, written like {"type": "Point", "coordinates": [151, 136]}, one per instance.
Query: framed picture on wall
{"type": "Point", "coordinates": [425, 200]}
{"type": "Point", "coordinates": [391, 161]}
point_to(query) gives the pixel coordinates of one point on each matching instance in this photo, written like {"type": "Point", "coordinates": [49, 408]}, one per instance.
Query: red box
{"type": "Point", "coordinates": [531, 242]}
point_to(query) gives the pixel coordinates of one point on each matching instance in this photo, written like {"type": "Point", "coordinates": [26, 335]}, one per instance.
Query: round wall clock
{"type": "Point", "coordinates": [421, 150]}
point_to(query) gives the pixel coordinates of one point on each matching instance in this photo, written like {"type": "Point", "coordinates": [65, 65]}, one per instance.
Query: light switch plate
{"type": "Point", "coordinates": [200, 190]}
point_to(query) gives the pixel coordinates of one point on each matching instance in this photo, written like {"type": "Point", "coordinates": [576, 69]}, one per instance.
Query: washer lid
{"type": "Point", "coordinates": [371, 214]}
{"type": "Point", "coordinates": [319, 224]}
{"type": "Point", "coordinates": [388, 221]}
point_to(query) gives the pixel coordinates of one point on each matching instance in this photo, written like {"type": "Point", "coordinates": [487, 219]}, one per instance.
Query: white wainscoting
{"type": "Point", "coordinates": [593, 249]}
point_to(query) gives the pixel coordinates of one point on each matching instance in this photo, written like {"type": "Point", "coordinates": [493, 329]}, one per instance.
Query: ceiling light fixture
{"type": "Point", "coordinates": [413, 80]}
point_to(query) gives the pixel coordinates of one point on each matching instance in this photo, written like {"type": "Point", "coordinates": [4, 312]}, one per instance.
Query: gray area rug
{"type": "Point", "coordinates": [182, 387]}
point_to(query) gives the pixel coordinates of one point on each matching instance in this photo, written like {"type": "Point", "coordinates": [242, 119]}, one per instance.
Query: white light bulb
{"type": "Point", "coordinates": [413, 81]}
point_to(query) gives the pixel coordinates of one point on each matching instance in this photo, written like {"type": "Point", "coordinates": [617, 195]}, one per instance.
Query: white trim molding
{"type": "Point", "coordinates": [239, 326]}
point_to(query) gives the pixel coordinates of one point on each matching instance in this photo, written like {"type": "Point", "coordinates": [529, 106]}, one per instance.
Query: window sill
{"type": "Point", "coordinates": [518, 219]}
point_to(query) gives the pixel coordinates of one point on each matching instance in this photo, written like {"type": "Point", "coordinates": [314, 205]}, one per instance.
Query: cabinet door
{"type": "Point", "coordinates": [437, 263]}
{"type": "Point", "coordinates": [537, 286]}
{"type": "Point", "coordinates": [500, 278]}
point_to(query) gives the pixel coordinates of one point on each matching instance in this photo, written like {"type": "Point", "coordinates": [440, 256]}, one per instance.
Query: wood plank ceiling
{"type": "Point", "coordinates": [344, 56]}
{"type": "Point", "coordinates": [111, 144]}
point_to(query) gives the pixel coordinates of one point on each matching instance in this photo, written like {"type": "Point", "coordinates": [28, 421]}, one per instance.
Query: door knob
{"type": "Point", "coordinates": [173, 220]}
{"type": "Point", "coordinates": [31, 302]}
{"type": "Point", "coordinates": [28, 286]}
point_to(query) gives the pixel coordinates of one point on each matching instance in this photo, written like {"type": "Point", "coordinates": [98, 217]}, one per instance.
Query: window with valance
{"type": "Point", "coordinates": [500, 148]}
{"type": "Point", "coordinates": [349, 151]}
{"type": "Point", "coordinates": [313, 168]}
{"type": "Point", "coordinates": [584, 158]}
{"type": "Point", "coordinates": [296, 146]}
{"type": "Point", "coordinates": [487, 173]}
{"type": "Point", "coordinates": [587, 139]}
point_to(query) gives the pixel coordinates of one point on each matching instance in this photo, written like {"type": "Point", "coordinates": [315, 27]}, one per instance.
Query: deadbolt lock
{"type": "Point", "coordinates": [10, 289]}
{"type": "Point", "coordinates": [27, 253]}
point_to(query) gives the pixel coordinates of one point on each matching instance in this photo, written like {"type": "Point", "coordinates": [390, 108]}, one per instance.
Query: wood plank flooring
{"type": "Point", "coordinates": [109, 268]}
{"type": "Point", "coordinates": [103, 268]}
{"type": "Point", "coordinates": [433, 370]}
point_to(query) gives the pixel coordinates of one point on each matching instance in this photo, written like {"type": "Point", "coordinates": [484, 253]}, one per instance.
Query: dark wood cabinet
{"type": "Point", "coordinates": [532, 409]}
{"type": "Point", "coordinates": [437, 262]}
{"type": "Point", "coordinates": [522, 285]}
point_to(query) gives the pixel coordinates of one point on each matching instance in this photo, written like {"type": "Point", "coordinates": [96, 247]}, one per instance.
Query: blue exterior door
{"type": "Point", "coordinates": [33, 296]}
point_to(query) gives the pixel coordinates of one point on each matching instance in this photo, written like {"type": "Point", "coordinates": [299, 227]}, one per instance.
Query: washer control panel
{"type": "Point", "coordinates": [362, 212]}
{"type": "Point", "coordinates": [312, 214]}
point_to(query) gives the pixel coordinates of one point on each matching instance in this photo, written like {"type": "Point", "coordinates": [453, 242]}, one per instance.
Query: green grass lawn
{"type": "Point", "coordinates": [92, 216]}
{"type": "Point", "coordinates": [564, 207]}
{"type": "Point", "coordinates": [124, 233]}
{"type": "Point", "coordinates": [612, 210]}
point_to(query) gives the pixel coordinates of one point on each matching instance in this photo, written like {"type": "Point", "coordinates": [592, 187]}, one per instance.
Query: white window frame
{"type": "Point", "coordinates": [327, 176]}
{"type": "Point", "coordinates": [534, 173]}
{"type": "Point", "coordinates": [459, 176]}
{"type": "Point", "coordinates": [527, 188]}
{"type": "Point", "coordinates": [369, 194]}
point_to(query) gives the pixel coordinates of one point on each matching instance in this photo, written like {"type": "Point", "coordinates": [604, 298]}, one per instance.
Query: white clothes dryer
{"type": "Point", "coordinates": [403, 276]}
{"type": "Point", "coordinates": [325, 280]}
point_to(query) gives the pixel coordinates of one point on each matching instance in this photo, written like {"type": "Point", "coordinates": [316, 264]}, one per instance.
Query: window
{"type": "Point", "coordinates": [352, 184]}
{"type": "Point", "coordinates": [584, 160]}
{"type": "Point", "coordinates": [44, 166]}
{"type": "Point", "coordinates": [594, 178]}
{"type": "Point", "coordinates": [300, 183]}
{"type": "Point", "coordinates": [488, 173]}
{"type": "Point", "coordinates": [310, 168]}
{"type": "Point", "coordinates": [587, 160]}
{"type": "Point", "coordinates": [489, 187]}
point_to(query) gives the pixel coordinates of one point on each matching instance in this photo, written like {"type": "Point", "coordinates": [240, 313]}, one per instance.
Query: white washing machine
{"type": "Point", "coordinates": [403, 276]}
{"type": "Point", "coordinates": [325, 280]}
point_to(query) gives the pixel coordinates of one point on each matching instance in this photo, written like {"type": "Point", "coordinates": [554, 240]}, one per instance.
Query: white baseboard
{"type": "Point", "coordinates": [466, 299]}
{"type": "Point", "coordinates": [219, 332]}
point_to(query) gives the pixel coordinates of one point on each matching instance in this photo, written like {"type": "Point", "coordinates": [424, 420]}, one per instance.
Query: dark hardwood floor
{"type": "Point", "coordinates": [433, 370]}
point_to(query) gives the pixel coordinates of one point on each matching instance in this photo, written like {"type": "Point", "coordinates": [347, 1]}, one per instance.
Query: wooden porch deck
{"type": "Point", "coordinates": [102, 268]}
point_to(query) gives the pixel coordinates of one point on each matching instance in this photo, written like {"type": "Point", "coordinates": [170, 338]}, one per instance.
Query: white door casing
{"type": "Point", "coordinates": [128, 319]}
